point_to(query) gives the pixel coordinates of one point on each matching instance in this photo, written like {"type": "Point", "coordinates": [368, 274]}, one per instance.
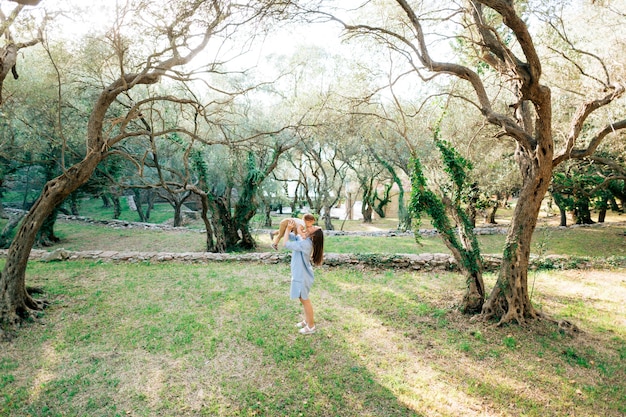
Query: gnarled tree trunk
{"type": "Point", "coordinates": [328, 221]}
{"type": "Point", "coordinates": [490, 217]}
{"type": "Point", "coordinates": [509, 299]}
{"type": "Point", "coordinates": [15, 302]}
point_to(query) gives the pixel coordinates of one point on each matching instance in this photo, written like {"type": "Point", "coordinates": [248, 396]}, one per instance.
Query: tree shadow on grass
{"type": "Point", "coordinates": [483, 370]}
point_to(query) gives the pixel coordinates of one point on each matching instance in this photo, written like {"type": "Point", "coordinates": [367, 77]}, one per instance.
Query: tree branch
{"type": "Point", "coordinates": [578, 121]}
{"type": "Point", "coordinates": [27, 2]}
{"type": "Point", "coordinates": [593, 144]}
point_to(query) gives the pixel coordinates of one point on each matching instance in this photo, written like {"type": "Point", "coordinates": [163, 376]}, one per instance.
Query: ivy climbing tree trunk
{"type": "Point", "coordinates": [451, 221]}
{"type": "Point", "coordinates": [404, 217]}
{"type": "Point", "coordinates": [246, 207]}
{"type": "Point", "coordinates": [366, 200]}
{"type": "Point", "coordinates": [381, 202]}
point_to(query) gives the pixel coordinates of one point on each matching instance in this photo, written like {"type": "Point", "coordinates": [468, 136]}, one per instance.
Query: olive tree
{"type": "Point", "coordinates": [173, 36]}
{"type": "Point", "coordinates": [502, 46]}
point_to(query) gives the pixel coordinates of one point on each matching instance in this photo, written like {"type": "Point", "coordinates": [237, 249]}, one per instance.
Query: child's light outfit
{"type": "Point", "coordinates": [301, 268]}
{"type": "Point", "coordinates": [276, 237]}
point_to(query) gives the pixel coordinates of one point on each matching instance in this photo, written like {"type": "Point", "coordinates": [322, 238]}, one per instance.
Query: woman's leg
{"type": "Point", "coordinates": [308, 312]}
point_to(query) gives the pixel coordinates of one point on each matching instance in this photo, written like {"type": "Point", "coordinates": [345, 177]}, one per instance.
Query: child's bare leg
{"type": "Point", "coordinates": [281, 232]}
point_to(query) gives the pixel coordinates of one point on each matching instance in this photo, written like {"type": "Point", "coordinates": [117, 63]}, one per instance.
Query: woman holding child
{"type": "Point", "coordinates": [307, 246]}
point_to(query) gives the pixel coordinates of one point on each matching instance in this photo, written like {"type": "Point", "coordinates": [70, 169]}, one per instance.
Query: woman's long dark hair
{"type": "Point", "coordinates": [317, 257]}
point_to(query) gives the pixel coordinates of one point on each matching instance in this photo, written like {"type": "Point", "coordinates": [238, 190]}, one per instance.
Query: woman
{"type": "Point", "coordinates": [307, 246]}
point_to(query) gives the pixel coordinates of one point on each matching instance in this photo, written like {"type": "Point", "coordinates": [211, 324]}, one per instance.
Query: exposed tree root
{"type": "Point", "coordinates": [9, 328]}
{"type": "Point", "coordinates": [472, 303]}
{"type": "Point", "coordinates": [34, 290]}
{"type": "Point", "coordinates": [565, 326]}
{"type": "Point", "coordinates": [24, 316]}
{"type": "Point", "coordinates": [34, 304]}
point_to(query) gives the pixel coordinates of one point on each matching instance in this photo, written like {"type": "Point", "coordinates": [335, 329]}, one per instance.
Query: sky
{"type": "Point", "coordinates": [97, 16]}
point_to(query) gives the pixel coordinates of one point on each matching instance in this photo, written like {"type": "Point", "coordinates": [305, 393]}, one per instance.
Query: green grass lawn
{"type": "Point", "coordinates": [219, 340]}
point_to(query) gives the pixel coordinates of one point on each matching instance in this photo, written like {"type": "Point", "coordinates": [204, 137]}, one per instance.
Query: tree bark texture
{"type": "Point", "coordinates": [139, 205]}
{"type": "Point", "coordinates": [15, 302]}
{"type": "Point", "coordinates": [117, 206]}
{"type": "Point", "coordinates": [268, 217]}
{"type": "Point", "coordinates": [328, 221]}
{"type": "Point", "coordinates": [563, 217]}
{"type": "Point", "coordinates": [223, 217]}
{"type": "Point", "coordinates": [509, 300]}
{"type": "Point", "coordinates": [602, 215]}
{"type": "Point", "coordinates": [213, 242]}
{"type": "Point", "coordinates": [490, 218]}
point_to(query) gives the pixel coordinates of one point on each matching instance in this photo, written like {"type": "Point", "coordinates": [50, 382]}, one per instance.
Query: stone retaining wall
{"type": "Point", "coordinates": [415, 262]}
{"type": "Point", "coordinates": [427, 262]}
{"type": "Point", "coordinates": [418, 262]}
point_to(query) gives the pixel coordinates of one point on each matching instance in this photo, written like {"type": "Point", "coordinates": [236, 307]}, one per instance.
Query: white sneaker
{"type": "Point", "coordinates": [301, 324]}
{"type": "Point", "coordinates": [307, 330]}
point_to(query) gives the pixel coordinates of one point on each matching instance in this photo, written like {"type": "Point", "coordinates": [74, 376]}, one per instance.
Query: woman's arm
{"type": "Point", "coordinates": [288, 230]}
{"type": "Point", "coordinates": [296, 242]}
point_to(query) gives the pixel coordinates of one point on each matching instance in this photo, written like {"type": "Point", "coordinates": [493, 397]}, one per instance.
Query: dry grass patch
{"type": "Point", "coordinates": [479, 369]}
{"type": "Point", "coordinates": [597, 296]}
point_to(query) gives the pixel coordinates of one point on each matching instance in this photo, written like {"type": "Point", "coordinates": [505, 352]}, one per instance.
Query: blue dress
{"type": "Point", "coordinates": [301, 268]}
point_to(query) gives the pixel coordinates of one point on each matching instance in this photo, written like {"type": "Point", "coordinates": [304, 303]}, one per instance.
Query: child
{"type": "Point", "coordinates": [306, 222]}
{"type": "Point", "coordinates": [307, 246]}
